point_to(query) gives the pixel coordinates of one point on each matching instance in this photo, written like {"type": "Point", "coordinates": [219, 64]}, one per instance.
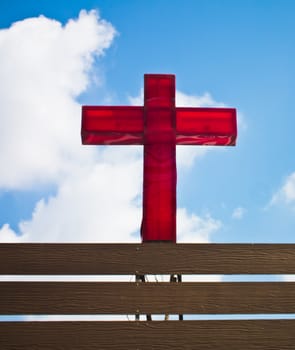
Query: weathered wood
{"type": "Point", "coordinates": [149, 258]}
{"type": "Point", "coordinates": [205, 335]}
{"type": "Point", "coordinates": [146, 298]}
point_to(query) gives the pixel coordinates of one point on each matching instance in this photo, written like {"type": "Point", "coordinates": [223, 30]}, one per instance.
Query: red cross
{"type": "Point", "coordinates": [159, 126]}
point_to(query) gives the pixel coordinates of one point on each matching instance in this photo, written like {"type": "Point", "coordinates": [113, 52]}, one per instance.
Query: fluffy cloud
{"type": "Point", "coordinates": [192, 228]}
{"type": "Point", "coordinates": [44, 66]}
{"type": "Point", "coordinates": [96, 203]}
{"type": "Point", "coordinates": [286, 194]}
{"type": "Point", "coordinates": [8, 235]}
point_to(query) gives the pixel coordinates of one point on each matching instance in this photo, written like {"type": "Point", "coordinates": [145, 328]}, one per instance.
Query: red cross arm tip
{"type": "Point", "coordinates": [206, 126]}
{"type": "Point", "coordinates": [112, 125]}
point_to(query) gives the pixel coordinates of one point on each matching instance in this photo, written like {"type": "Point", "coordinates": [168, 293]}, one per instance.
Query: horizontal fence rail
{"type": "Point", "coordinates": [225, 335]}
{"type": "Point", "coordinates": [149, 258]}
{"type": "Point", "coordinates": [147, 298]}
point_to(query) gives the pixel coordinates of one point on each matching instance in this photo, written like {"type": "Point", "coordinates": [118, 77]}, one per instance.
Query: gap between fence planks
{"type": "Point", "coordinates": [149, 258]}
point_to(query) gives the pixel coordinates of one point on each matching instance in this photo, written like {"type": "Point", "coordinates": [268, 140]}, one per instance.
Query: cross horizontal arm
{"type": "Point", "coordinates": [124, 125]}
{"type": "Point", "coordinates": [107, 125]}
{"type": "Point", "coordinates": [206, 126]}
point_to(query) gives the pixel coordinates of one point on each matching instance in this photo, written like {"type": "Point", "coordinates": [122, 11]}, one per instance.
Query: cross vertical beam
{"type": "Point", "coordinates": [159, 174]}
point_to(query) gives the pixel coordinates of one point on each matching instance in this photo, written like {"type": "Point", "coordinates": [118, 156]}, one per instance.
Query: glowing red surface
{"type": "Point", "coordinates": [159, 126]}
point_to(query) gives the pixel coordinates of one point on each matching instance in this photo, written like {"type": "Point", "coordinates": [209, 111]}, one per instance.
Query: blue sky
{"type": "Point", "coordinates": [234, 53]}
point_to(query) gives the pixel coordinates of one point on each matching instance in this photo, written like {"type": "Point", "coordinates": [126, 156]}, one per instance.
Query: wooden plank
{"type": "Point", "coordinates": [146, 298]}
{"type": "Point", "coordinates": [205, 335]}
{"type": "Point", "coordinates": [148, 258]}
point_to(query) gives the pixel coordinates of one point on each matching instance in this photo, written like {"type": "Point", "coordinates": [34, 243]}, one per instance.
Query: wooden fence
{"type": "Point", "coordinates": [125, 298]}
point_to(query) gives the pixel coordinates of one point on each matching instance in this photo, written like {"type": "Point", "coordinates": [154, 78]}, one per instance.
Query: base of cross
{"type": "Point", "coordinates": [174, 278]}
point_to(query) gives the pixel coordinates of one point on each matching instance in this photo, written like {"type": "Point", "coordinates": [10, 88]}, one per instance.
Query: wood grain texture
{"type": "Point", "coordinates": [160, 335]}
{"type": "Point", "coordinates": [146, 298]}
{"type": "Point", "coordinates": [149, 258]}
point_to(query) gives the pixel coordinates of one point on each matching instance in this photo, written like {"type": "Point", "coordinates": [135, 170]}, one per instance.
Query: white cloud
{"type": "Point", "coordinates": [8, 235]}
{"type": "Point", "coordinates": [238, 213]}
{"type": "Point", "coordinates": [285, 194]}
{"type": "Point", "coordinates": [101, 204]}
{"type": "Point", "coordinates": [288, 278]}
{"type": "Point", "coordinates": [43, 67]}
{"type": "Point", "coordinates": [96, 203]}
{"type": "Point", "coordinates": [195, 229]}
{"type": "Point", "coordinates": [205, 100]}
